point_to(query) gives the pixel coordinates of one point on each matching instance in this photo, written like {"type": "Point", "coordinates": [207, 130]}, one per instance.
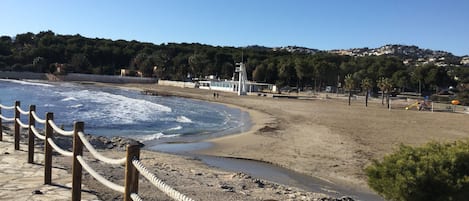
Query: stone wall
{"type": "Point", "coordinates": [22, 75]}
{"type": "Point", "coordinates": [176, 84]}
{"type": "Point", "coordinates": [106, 78]}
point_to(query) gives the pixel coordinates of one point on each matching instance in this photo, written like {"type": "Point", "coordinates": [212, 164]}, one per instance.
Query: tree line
{"type": "Point", "coordinates": [42, 51]}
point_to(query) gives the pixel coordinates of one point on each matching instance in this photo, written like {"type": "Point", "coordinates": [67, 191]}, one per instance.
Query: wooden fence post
{"type": "Point", "coordinates": [1, 126]}
{"type": "Point", "coordinates": [48, 150]}
{"type": "Point", "coordinates": [17, 126]}
{"type": "Point", "coordinates": [76, 167]}
{"type": "Point", "coordinates": [131, 173]}
{"type": "Point", "coordinates": [32, 122]}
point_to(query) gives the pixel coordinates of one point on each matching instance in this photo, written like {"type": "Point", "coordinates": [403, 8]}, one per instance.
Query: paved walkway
{"type": "Point", "coordinates": [22, 181]}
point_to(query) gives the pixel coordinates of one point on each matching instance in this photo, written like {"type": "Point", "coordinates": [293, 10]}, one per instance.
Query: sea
{"type": "Point", "coordinates": [112, 111]}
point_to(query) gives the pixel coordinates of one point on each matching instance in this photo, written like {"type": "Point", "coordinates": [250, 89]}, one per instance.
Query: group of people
{"type": "Point", "coordinates": [215, 95]}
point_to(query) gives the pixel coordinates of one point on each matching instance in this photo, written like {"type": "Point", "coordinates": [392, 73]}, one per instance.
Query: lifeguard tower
{"type": "Point", "coordinates": [241, 70]}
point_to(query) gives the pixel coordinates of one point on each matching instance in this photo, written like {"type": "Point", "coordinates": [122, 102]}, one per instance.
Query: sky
{"type": "Point", "coordinates": [320, 24]}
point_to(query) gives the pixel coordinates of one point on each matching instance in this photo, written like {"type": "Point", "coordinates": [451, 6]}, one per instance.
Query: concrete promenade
{"type": "Point", "coordinates": [22, 181]}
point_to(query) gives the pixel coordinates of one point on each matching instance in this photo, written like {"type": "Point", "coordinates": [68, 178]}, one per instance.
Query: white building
{"type": "Point", "coordinates": [232, 86]}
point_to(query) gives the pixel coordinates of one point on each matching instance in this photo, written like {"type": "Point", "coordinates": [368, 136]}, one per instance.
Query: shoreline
{"type": "Point", "coordinates": [261, 122]}
{"type": "Point", "coordinates": [323, 138]}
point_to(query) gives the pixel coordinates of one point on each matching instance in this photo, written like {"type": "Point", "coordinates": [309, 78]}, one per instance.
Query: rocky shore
{"type": "Point", "coordinates": [186, 174]}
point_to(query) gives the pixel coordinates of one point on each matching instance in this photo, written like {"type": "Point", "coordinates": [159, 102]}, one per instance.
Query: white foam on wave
{"type": "Point", "coordinates": [27, 83]}
{"type": "Point", "coordinates": [75, 106]}
{"type": "Point", "coordinates": [183, 119]}
{"type": "Point", "coordinates": [68, 99]}
{"type": "Point", "coordinates": [175, 128]}
{"type": "Point", "coordinates": [155, 136]}
{"type": "Point", "coordinates": [114, 109]}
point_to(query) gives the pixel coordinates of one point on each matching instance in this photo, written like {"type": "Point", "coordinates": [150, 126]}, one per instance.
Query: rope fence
{"type": "Point", "coordinates": [135, 197]}
{"type": "Point", "coordinates": [38, 120]}
{"type": "Point", "coordinates": [159, 183]}
{"type": "Point", "coordinates": [7, 107]}
{"type": "Point", "coordinates": [7, 119]}
{"type": "Point", "coordinates": [133, 166]}
{"type": "Point", "coordinates": [100, 178]}
{"type": "Point", "coordinates": [96, 154]}
{"type": "Point", "coordinates": [21, 124]}
{"type": "Point", "coordinates": [59, 130]}
{"type": "Point", "coordinates": [37, 134]}
{"type": "Point", "coordinates": [22, 111]}
{"type": "Point", "coordinates": [58, 149]}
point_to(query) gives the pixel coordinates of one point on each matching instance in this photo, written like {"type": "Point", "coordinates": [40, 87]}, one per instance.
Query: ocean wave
{"type": "Point", "coordinates": [113, 108]}
{"type": "Point", "coordinates": [75, 106]}
{"type": "Point", "coordinates": [153, 136]}
{"type": "Point", "coordinates": [175, 128]}
{"type": "Point", "coordinates": [27, 83]}
{"type": "Point", "coordinates": [68, 99]}
{"type": "Point", "coordinates": [183, 119]}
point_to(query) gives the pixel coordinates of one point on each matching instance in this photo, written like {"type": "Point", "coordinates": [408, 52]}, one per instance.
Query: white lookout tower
{"type": "Point", "coordinates": [241, 69]}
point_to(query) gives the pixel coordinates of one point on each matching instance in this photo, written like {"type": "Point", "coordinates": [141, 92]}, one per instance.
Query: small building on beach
{"type": "Point", "coordinates": [232, 86]}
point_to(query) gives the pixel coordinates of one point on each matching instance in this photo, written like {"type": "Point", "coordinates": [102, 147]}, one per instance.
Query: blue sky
{"type": "Point", "coordinates": [321, 24]}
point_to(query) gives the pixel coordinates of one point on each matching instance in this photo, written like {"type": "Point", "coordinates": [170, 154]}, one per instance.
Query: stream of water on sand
{"type": "Point", "coordinates": [267, 171]}
{"type": "Point", "coordinates": [159, 122]}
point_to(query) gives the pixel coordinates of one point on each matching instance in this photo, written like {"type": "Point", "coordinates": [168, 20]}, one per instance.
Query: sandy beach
{"type": "Point", "coordinates": [320, 137]}
{"type": "Point", "coordinates": [325, 137]}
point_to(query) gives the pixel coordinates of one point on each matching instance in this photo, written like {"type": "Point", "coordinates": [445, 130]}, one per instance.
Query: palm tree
{"type": "Point", "coordinates": [388, 87]}
{"type": "Point", "coordinates": [385, 85]}
{"type": "Point", "coordinates": [349, 85]}
{"type": "Point", "coordinates": [380, 85]}
{"type": "Point", "coordinates": [366, 86]}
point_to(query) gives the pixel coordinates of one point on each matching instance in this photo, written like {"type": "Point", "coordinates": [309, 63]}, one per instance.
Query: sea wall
{"type": "Point", "coordinates": [105, 78]}
{"type": "Point", "coordinates": [75, 77]}
{"type": "Point", "coordinates": [176, 84]}
{"type": "Point", "coordinates": [22, 75]}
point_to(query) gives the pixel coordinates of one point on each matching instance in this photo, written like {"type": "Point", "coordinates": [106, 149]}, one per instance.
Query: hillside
{"type": "Point", "coordinates": [408, 67]}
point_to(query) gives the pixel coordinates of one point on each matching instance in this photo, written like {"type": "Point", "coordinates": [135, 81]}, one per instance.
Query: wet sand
{"type": "Point", "coordinates": [318, 137]}
{"type": "Point", "coordinates": [324, 137]}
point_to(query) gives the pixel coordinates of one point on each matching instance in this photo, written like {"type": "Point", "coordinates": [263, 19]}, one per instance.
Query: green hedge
{"type": "Point", "coordinates": [434, 171]}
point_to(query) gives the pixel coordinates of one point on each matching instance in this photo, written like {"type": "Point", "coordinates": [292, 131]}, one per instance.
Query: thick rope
{"type": "Point", "coordinates": [58, 149]}
{"type": "Point", "coordinates": [36, 133]}
{"type": "Point", "coordinates": [97, 155]}
{"type": "Point", "coordinates": [7, 119]}
{"type": "Point", "coordinates": [21, 124]}
{"type": "Point", "coordinates": [22, 111]}
{"type": "Point", "coordinates": [38, 120]}
{"type": "Point", "coordinates": [7, 107]}
{"type": "Point", "coordinates": [135, 197]}
{"type": "Point", "coordinates": [100, 178]}
{"type": "Point", "coordinates": [59, 130]}
{"type": "Point", "coordinates": [168, 190]}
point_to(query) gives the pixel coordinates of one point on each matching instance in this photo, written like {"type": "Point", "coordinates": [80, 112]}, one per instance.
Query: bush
{"type": "Point", "coordinates": [432, 172]}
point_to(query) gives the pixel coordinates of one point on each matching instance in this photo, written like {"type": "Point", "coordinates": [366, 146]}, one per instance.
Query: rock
{"type": "Point", "coordinates": [37, 192]}
{"type": "Point", "coordinates": [259, 183]}
{"type": "Point", "coordinates": [240, 175]}
{"type": "Point", "coordinates": [227, 188]}
{"type": "Point", "coordinates": [345, 198]}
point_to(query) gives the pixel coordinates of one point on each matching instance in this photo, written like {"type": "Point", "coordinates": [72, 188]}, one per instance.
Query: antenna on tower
{"type": "Point", "coordinates": [242, 55]}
